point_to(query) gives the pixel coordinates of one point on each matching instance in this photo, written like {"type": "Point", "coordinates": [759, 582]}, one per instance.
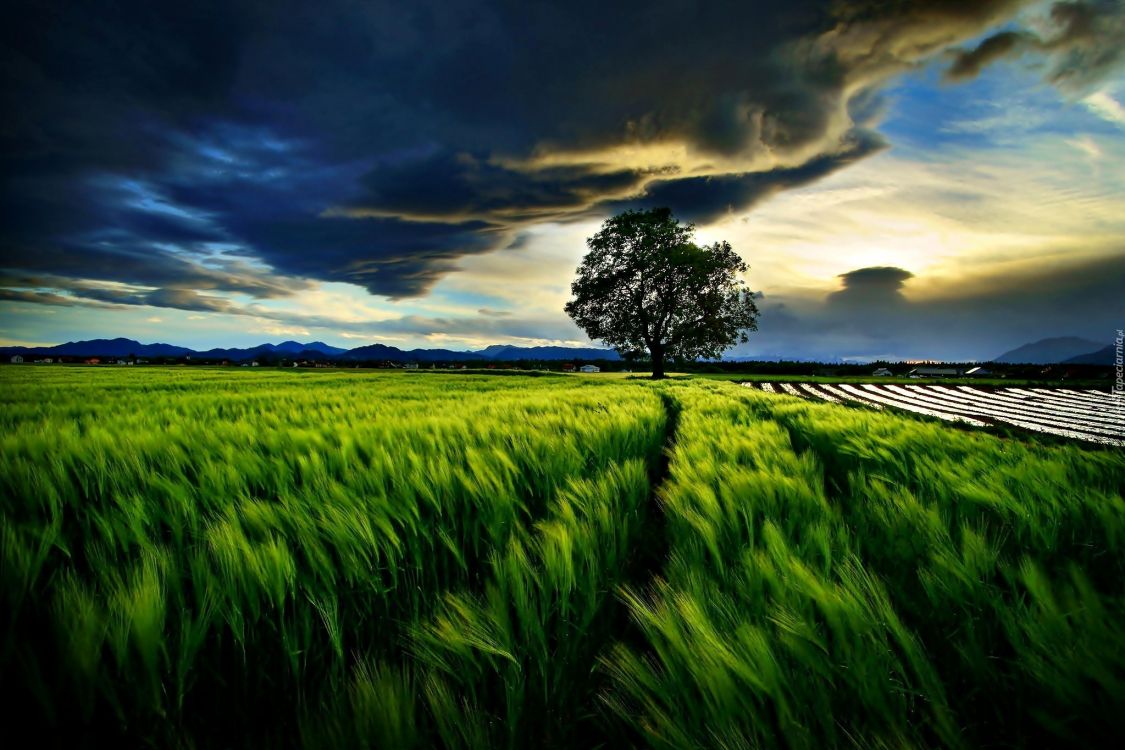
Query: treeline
{"type": "Point", "coordinates": [1045, 373]}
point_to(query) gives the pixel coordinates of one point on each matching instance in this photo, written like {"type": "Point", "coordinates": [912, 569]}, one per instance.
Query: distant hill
{"type": "Point", "coordinates": [290, 349]}
{"type": "Point", "coordinates": [314, 350]}
{"type": "Point", "coordinates": [500, 352]}
{"type": "Point", "coordinates": [374, 352]}
{"type": "Point", "coordinates": [491, 351]}
{"type": "Point", "coordinates": [320, 346]}
{"type": "Point", "coordinates": [1049, 351]}
{"type": "Point", "coordinates": [122, 347]}
{"type": "Point", "coordinates": [296, 347]}
{"type": "Point", "coordinates": [119, 347]}
{"type": "Point", "coordinates": [1107, 355]}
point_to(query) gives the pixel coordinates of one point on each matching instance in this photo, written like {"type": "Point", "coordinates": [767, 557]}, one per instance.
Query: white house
{"type": "Point", "coordinates": [17, 359]}
{"type": "Point", "coordinates": [589, 368]}
{"type": "Point", "coordinates": [411, 366]}
{"type": "Point", "coordinates": [882, 372]}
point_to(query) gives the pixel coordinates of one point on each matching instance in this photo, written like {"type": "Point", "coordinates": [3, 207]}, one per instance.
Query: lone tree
{"type": "Point", "coordinates": [644, 286]}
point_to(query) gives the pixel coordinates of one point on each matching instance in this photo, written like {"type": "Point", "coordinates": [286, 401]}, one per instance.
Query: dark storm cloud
{"type": "Point", "coordinates": [1086, 44]}
{"type": "Point", "coordinates": [870, 300]}
{"type": "Point", "coordinates": [876, 276]}
{"type": "Point", "coordinates": [1091, 43]}
{"type": "Point", "coordinates": [377, 143]}
{"type": "Point", "coordinates": [977, 317]}
{"type": "Point", "coordinates": [705, 199]}
{"type": "Point", "coordinates": [461, 185]}
{"type": "Point", "coordinates": [390, 257]}
{"type": "Point", "coordinates": [969, 63]}
{"type": "Point", "coordinates": [872, 283]}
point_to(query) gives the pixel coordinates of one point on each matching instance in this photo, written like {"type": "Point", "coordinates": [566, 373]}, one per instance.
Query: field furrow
{"type": "Point", "coordinates": [873, 393]}
{"type": "Point", "coordinates": [997, 408]}
{"type": "Point", "coordinates": [1049, 413]}
{"type": "Point", "coordinates": [1058, 412]}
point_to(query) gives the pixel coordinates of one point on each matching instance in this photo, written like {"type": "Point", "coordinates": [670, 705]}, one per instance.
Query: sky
{"type": "Point", "coordinates": [939, 180]}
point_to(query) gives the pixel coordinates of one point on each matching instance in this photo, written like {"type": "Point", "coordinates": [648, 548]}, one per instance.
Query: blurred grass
{"type": "Point", "coordinates": [840, 577]}
{"type": "Point", "coordinates": [343, 559]}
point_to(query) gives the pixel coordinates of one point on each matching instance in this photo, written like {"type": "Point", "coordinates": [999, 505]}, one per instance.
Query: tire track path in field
{"type": "Point", "coordinates": [649, 554]}
{"type": "Point", "coordinates": [651, 548]}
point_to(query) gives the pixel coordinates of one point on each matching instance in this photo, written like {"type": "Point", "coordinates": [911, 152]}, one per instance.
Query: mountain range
{"type": "Point", "coordinates": [1107, 355]}
{"type": "Point", "coordinates": [1069, 350]}
{"type": "Point", "coordinates": [1059, 350]}
{"type": "Point", "coordinates": [314, 350]}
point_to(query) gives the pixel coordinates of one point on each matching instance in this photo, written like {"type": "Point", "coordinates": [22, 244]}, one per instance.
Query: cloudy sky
{"type": "Point", "coordinates": [906, 179]}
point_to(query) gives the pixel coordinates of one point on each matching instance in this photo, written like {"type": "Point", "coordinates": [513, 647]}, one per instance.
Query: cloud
{"type": "Point", "coordinates": [69, 263]}
{"type": "Point", "coordinates": [485, 325]}
{"type": "Point", "coordinates": [969, 63]}
{"type": "Point", "coordinates": [1081, 39]}
{"type": "Point", "coordinates": [1089, 44]}
{"type": "Point", "coordinates": [389, 257]}
{"type": "Point", "coordinates": [869, 302]}
{"type": "Point", "coordinates": [976, 317]}
{"type": "Point", "coordinates": [1105, 107]}
{"type": "Point", "coordinates": [379, 144]}
{"type": "Point", "coordinates": [705, 199]}
{"type": "Point", "coordinates": [1087, 146]}
{"type": "Point", "coordinates": [42, 298]}
{"type": "Point", "coordinates": [186, 299]}
{"type": "Point", "coordinates": [71, 292]}
{"type": "Point", "coordinates": [458, 187]}
{"type": "Point", "coordinates": [871, 287]}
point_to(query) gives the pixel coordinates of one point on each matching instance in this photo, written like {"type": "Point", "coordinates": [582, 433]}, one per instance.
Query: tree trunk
{"type": "Point", "coordinates": [657, 353]}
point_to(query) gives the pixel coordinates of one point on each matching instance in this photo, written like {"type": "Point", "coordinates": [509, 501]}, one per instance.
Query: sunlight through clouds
{"type": "Point", "coordinates": [1106, 107]}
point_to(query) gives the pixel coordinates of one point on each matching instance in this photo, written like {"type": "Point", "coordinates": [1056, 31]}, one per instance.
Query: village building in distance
{"type": "Point", "coordinates": [934, 372]}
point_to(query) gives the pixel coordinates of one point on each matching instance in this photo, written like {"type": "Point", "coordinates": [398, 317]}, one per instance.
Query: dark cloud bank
{"type": "Point", "coordinates": [254, 146]}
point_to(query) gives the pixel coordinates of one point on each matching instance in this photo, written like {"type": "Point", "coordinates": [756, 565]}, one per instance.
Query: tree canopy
{"type": "Point", "coordinates": [645, 287]}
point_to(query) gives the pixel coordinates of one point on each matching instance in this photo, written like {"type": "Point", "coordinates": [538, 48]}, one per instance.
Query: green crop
{"type": "Point", "coordinates": [195, 558]}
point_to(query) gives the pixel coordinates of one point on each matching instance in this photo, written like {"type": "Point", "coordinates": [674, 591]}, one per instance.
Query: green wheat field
{"type": "Point", "coordinates": [213, 558]}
